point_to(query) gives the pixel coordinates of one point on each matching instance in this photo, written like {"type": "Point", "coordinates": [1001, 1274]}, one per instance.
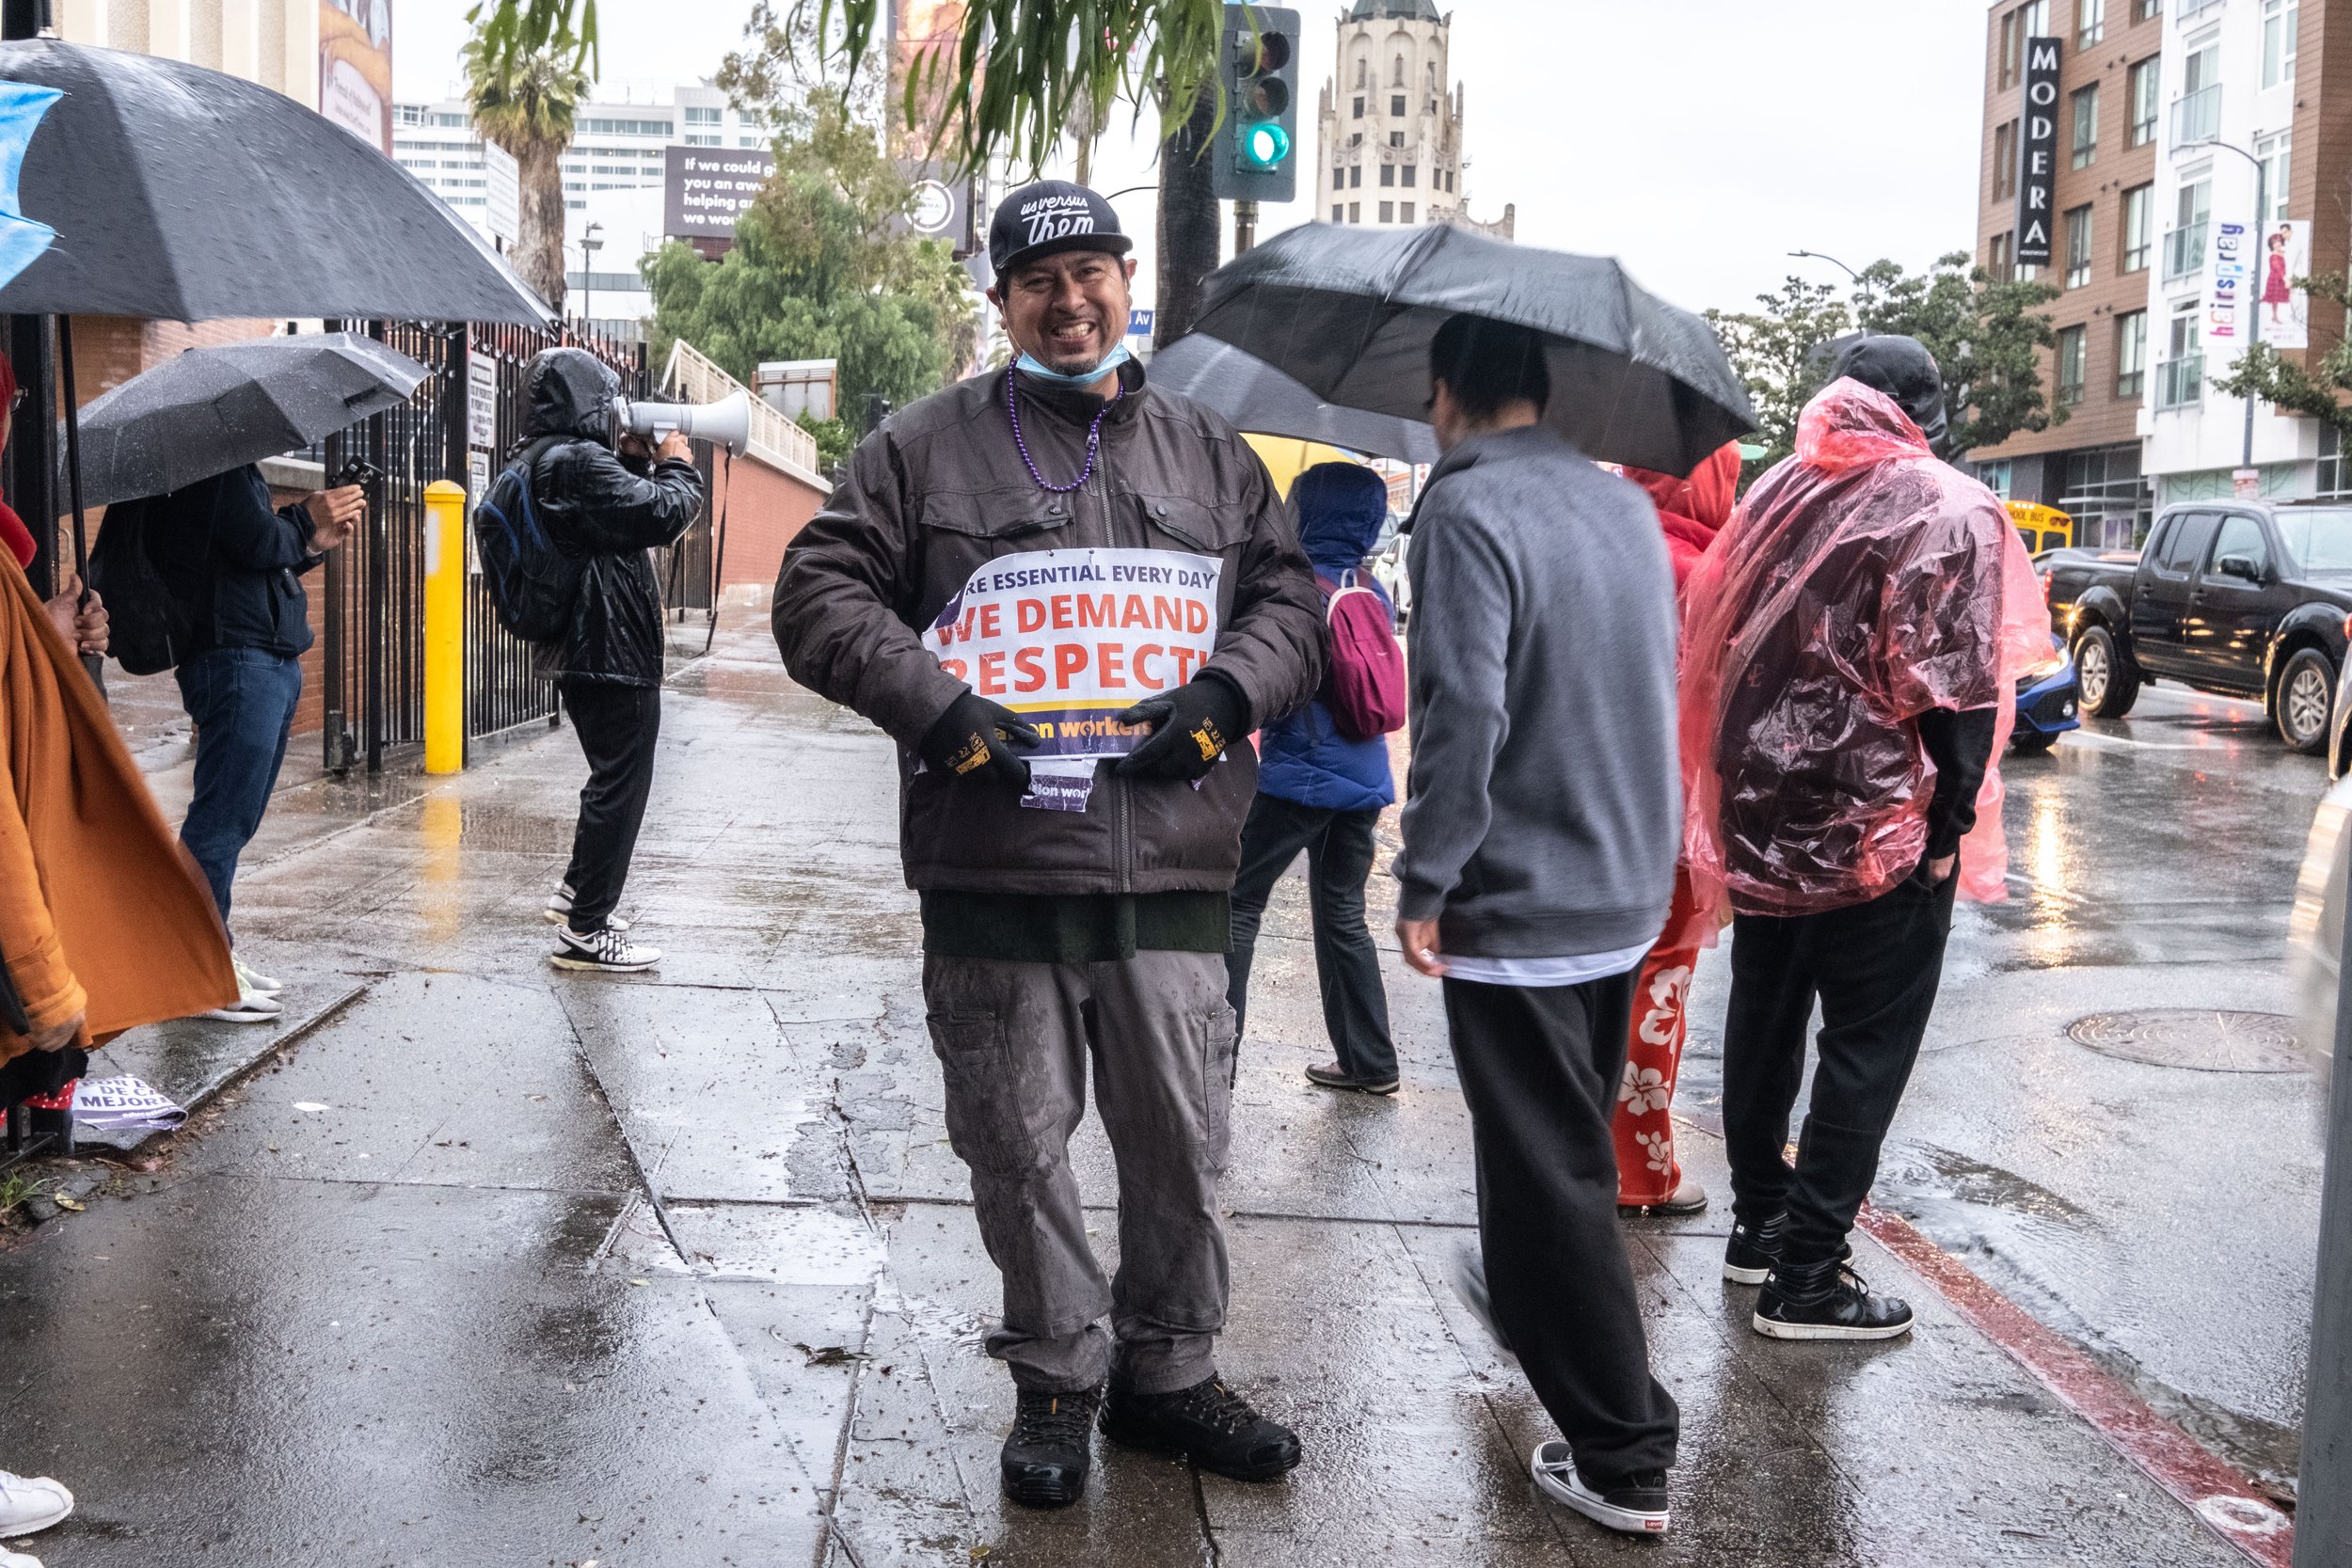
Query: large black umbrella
{"type": "Point", "coordinates": [1255, 396]}
{"type": "Point", "coordinates": [1349, 312]}
{"type": "Point", "coordinates": [181, 194]}
{"type": "Point", "coordinates": [214, 409]}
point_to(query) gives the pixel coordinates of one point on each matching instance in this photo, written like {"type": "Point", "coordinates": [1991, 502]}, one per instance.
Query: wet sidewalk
{"type": "Point", "coordinates": [500, 1266]}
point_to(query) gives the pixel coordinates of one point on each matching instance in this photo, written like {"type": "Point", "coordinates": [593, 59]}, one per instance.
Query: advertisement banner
{"type": "Point", "coordinates": [2037, 153]}
{"type": "Point", "coordinates": [355, 69]}
{"type": "Point", "coordinates": [925, 37]}
{"type": "Point", "coordinates": [2225, 292]}
{"type": "Point", "coordinates": [1071, 638]}
{"type": "Point", "coordinates": [705, 189]}
{"type": "Point", "coordinates": [2283, 310]}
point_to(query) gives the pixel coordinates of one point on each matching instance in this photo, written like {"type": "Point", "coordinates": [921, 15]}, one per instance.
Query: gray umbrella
{"type": "Point", "coordinates": [1349, 312]}
{"type": "Point", "coordinates": [181, 194]}
{"type": "Point", "coordinates": [1256, 397]}
{"type": "Point", "coordinates": [215, 409]}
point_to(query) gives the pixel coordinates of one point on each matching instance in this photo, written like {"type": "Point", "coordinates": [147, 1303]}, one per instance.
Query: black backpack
{"type": "Point", "coordinates": [533, 583]}
{"type": "Point", "coordinates": [151, 626]}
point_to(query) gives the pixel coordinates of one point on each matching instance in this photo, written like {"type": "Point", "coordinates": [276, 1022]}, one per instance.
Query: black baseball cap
{"type": "Point", "coordinates": [1047, 218]}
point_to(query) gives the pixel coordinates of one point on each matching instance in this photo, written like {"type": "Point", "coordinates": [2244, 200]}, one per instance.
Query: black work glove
{"type": "Point", "coordinates": [975, 735]}
{"type": "Point", "coordinates": [1192, 727]}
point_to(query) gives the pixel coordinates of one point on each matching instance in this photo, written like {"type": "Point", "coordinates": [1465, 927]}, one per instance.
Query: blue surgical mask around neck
{"type": "Point", "coordinates": [1031, 367]}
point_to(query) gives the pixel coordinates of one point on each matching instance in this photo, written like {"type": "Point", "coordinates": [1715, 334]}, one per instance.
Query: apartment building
{"type": "Point", "coordinates": [2104, 237]}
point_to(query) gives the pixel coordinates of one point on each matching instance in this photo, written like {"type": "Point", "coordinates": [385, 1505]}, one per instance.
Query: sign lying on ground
{"type": "Point", "coordinates": [2037, 153]}
{"type": "Point", "coordinates": [707, 188]}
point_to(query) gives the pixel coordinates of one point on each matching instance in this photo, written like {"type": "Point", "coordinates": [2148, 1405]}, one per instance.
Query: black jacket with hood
{"type": "Point", "coordinates": [594, 507]}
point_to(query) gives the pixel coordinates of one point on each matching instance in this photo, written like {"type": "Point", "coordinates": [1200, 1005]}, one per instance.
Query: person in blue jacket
{"type": "Point", "coordinates": [1321, 792]}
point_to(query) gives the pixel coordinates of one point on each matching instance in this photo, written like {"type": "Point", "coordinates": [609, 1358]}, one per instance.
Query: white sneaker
{"type": "Point", "coordinates": [607, 950]}
{"type": "Point", "coordinates": [1636, 1508]}
{"type": "Point", "coordinates": [29, 1503]}
{"type": "Point", "coordinates": [251, 1007]}
{"type": "Point", "coordinates": [17, 1560]}
{"type": "Point", "coordinates": [252, 980]}
{"type": "Point", "coordinates": [559, 910]}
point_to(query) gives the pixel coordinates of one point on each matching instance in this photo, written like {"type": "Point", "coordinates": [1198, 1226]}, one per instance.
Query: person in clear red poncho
{"type": "Point", "coordinates": [1853, 642]}
{"type": "Point", "coordinates": [1692, 511]}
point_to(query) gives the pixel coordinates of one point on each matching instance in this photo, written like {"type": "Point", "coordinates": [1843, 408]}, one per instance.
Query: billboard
{"type": "Point", "coordinates": [2037, 153]}
{"type": "Point", "coordinates": [356, 68]}
{"type": "Point", "coordinates": [2285, 310]}
{"type": "Point", "coordinates": [707, 188]}
{"type": "Point", "coordinates": [925, 38]}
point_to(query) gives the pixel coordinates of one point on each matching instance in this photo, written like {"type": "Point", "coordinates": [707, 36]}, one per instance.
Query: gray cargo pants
{"type": "Point", "coordinates": [1014, 1041]}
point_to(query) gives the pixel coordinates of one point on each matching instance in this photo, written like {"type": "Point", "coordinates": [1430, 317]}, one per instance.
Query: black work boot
{"type": "Point", "coordinates": [1209, 1424]}
{"type": "Point", "coordinates": [1826, 1301]}
{"type": "Point", "coordinates": [1752, 1251]}
{"type": "Point", "coordinates": [1045, 1459]}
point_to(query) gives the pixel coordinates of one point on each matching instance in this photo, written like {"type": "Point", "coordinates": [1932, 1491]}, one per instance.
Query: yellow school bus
{"type": "Point", "coordinates": [2042, 528]}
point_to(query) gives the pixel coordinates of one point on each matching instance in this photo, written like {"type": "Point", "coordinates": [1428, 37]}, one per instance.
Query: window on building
{"type": "Point", "coordinates": [2073, 365]}
{"type": "Point", "coordinates": [2086, 105]}
{"type": "Point", "coordinates": [1396, 106]}
{"type": "Point", "coordinates": [2139, 227]}
{"type": "Point", "coordinates": [1356, 138]}
{"type": "Point", "coordinates": [1359, 108]}
{"type": "Point", "coordinates": [2101, 487]}
{"type": "Point", "coordinates": [1431, 108]}
{"type": "Point", "coordinates": [1995, 477]}
{"type": "Point", "coordinates": [1396, 73]}
{"type": "Point", "coordinates": [1997, 252]}
{"type": "Point", "coordinates": [2146, 78]}
{"type": "Point", "coordinates": [2280, 18]}
{"type": "Point", "coordinates": [2013, 47]}
{"type": "Point", "coordinates": [2147, 10]}
{"type": "Point", "coordinates": [701, 117]}
{"type": "Point", "coordinates": [2005, 161]}
{"type": "Point", "coordinates": [1405, 211]}
{"type": "Point", "coordinates": [1355, 177]}
{"type": "Point", "coordinates": [1430, 71]}
{"type": "Point", "coordinates": [2037, 14]}
{"type": "Point", "coordinates": [751, 141]}
{"type": "Point", "coordinates": [1388, 211]}
{"type": "Point", "coordinates": [2090, 22]}
{"type": "Point", "coordinates": [692, 140]}
{"type": "Point", "coordinates": [1338, 179]}
{"type": "Point", "coordinates": [1411, 171]}
{"type": "Point", "coordinates": [2272, 152]}
{"type": "Point", "coordinates": [452, 121]}
{"type": "Point", "coordinates": [1355, 211]}
{"type": "Point", "coordinates": [1337, 208]}
{"type": "Point", "coordinates": [2131, 355]}
{"type": "Point", "coordinates": [1364, 73]}
{"type": "Point", "coordinates": [2078, 246]}
{"type": "Point", "coordinates": [2180, 378]}
{"type": "Point", "coordinates": [2335, 474]}
{"type": "Point", "coordinates": [2185, 243]}
{"type": "Point", "coordinates": [1396, 138]}
{"type": "Point", "coordinates": [1387, 174]}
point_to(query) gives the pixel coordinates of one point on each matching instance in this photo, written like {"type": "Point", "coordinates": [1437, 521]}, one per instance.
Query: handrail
{"type": "Point", "coordinates": [692, 376]}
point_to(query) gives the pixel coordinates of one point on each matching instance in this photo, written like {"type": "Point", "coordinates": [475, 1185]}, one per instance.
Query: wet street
{"type": "Point", "coordinates": [501, 1267]}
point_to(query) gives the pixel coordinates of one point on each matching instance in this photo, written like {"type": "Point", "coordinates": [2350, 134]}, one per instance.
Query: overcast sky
{"type": "Point", "coordinates": [1697, 140]}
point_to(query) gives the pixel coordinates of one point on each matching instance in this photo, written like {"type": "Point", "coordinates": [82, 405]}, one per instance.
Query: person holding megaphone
{"type": "Point", "coordinates": [606, 496]}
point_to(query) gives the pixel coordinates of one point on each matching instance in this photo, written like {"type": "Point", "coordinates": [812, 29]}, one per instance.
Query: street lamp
{"type": "Point", "coordinates": [1860, 287]}
{"type": "Point", "coordinates": [2254, 239]}
{"type": "Point", "coordinates": [591, 241]}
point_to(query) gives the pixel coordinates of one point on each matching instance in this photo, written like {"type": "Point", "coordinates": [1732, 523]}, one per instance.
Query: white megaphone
{"type": "Point", "coordinates": [724, 423]}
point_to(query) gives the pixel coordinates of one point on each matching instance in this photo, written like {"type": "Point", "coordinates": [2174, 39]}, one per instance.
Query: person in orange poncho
{"type": "Point", "coordinates": [1692, 511]}
{"type": "Point", "coordinates": [105, 923]}
{"type": "Point", "coordinates": [1851, 652]}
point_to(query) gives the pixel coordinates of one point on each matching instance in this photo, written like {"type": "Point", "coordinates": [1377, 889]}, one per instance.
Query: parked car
{"type": "Point", "coordinates": [1388, 568]}
{"type": "Point", "coordinates": [2242, 598]}
{"type": "Point", "coordinates": [2048, 701]}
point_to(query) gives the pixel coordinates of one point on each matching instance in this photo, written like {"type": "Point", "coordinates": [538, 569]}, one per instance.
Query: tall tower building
{"type": "Point", "coordinates": [1391, 122]}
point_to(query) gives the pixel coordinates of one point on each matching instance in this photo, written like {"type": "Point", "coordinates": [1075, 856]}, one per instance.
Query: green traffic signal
{"type": "Point", "coordinates": [1266, 146]}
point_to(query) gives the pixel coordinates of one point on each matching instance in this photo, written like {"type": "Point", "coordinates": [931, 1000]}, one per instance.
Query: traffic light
{"type": "Point", "coordinates": [1256, 155]}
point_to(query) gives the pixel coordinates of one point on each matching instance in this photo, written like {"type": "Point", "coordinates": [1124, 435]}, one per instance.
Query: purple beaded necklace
{"type": "Point", "coordinates": [1094, 438]}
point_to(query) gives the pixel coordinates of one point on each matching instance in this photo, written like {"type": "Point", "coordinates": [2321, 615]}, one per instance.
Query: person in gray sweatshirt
{"type": "Point", "coordinates": [1540, 837]}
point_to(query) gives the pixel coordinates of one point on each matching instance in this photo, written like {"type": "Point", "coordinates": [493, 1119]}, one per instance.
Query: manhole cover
{"type": "Point", "coordinates": [2199, 1037]}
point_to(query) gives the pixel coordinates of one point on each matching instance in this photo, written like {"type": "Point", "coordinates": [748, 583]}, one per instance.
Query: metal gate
{"type": "Point", "coordinates": [373, 613]}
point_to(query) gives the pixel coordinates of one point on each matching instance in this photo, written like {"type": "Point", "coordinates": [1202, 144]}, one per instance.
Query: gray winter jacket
{"type": "Point", "coordinates": [1546, 809]}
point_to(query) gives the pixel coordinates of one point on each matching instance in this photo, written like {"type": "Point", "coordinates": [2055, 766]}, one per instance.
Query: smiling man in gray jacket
{"type": "Point", "coordinates": [1539, 852]}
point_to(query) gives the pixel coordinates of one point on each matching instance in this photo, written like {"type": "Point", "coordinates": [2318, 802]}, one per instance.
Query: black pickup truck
{"type": "Point", "coordinates": [2246, 598]}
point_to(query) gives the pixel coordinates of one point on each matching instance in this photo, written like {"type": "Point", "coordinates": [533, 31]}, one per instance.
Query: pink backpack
{"type": "Point", "coordinates": [1365, 687]}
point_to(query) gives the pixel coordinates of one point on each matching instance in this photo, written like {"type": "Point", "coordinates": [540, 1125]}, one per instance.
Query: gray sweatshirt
{"type": "Point", "coordinates": [1545, 808]}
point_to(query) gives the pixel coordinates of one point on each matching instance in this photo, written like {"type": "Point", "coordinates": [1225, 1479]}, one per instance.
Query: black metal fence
{"type": "Point", "coordinates": [373, 613]}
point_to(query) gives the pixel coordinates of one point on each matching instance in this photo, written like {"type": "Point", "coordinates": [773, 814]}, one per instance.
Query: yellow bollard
{"type": "Point", "coordinates": [444, 628]}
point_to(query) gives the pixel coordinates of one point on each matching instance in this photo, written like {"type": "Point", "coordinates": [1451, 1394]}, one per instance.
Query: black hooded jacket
{"type": "Point", "coordinates": [595, 508]}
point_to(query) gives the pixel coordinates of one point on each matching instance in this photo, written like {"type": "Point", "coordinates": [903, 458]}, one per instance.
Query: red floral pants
{"type": "Point", "coordinates": [1648, 1171]}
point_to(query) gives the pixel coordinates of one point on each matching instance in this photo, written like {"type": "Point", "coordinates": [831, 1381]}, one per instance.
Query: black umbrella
{"type": "Point", "coordinates": [215, 409]}
{"type": "Point", "coordinates": [1256, 397]}
{"type": "Point", "coordinates": [1349, 313]}
{"type": "Point", "coordinates": [181, 194]}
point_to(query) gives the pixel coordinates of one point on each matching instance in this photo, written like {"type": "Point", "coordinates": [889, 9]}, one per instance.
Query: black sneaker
{"type": "Point", "coordinates": [1752, 1251]}
{"type": "Point", "coordinates": [1827, 1301]}
{"type": "Point", "coordinates": [1208, 1424]}
{"type": "Point", "coordinates": [607, 950]}
{"type": "Point", "coordinates": [1333, 1076]}
{"type": "Point", "coordinates": [1636, 1505]}
{"type": "Point", "coordinates": [1044, 1461]}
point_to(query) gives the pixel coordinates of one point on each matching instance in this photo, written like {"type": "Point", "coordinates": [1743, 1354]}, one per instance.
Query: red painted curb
{"type": "Point", "coordinates": [2213, 1490]}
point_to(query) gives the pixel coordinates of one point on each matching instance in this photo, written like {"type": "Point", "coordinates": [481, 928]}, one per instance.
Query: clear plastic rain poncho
{"type": "Point", "coordinates": [1859, 585]}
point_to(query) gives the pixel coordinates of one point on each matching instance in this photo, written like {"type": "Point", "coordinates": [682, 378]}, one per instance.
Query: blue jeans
{"type": "Point", "coordinates": [241, 701]}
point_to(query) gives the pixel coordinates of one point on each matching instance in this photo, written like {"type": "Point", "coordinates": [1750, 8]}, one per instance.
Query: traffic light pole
{"type": "Point", "coordinates": [1245, 226]}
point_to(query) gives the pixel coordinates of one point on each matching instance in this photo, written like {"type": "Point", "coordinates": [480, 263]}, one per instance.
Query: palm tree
{"type": "Point", "coordinates": [524, 100]}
